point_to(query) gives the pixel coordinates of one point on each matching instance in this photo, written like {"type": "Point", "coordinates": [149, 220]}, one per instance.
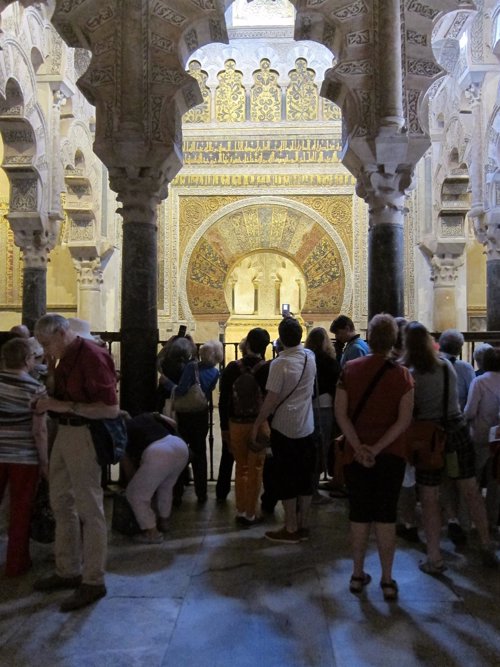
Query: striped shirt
{"type": "Point", "coordinates": [17, 392]}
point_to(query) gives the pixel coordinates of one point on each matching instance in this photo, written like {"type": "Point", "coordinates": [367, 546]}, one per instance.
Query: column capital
{"type": "Point", "coordinates": [35, 245]}
{"type": "Point", "coordinates": [473, 94]}
{"type": "Point", "coordinates": [139, 194]}
{"type": "Point", "coordinates": [384, 192]}
{"type": "Point", "coordinates": [89, 273]}
{"type": "Point", "coordinates": [487, 229]}
{"type": "Point", "coordinates": [444, 261]}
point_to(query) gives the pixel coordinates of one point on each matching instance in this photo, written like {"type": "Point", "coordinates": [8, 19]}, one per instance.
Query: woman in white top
{"type": "Point", "coordinates": [482, 412]}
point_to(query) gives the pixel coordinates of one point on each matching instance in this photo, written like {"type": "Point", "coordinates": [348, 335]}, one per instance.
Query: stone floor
{"type": "Point", "coordinates": [213, 595]}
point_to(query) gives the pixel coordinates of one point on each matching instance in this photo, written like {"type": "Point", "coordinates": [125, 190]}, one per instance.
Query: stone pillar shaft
{"type": "Point", "coordinates": [34, 295]}
{"type": "Point", "coordinates": [139, 323]}
{"type": "Point", "coordinates": [385, 269]}
{"type": "Point", "coordinates": [492, 294]}
{"type": "Point", "coordinates": [35, 246]}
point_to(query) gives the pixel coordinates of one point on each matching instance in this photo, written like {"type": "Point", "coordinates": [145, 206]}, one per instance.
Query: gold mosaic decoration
{"type": "Point", "coordinates": [202, 112]}
{"type": "Point", "coordinates": [336, 210]}
{"type": "Point", "coordinates": [265, 96]}
{"type": "Point", "coordinates": [286, 150]}
{"type": "Point", "coordinates": [263, 180]}
{"type": "Point", "coordinates": [331, 111]}
{"type": "Point", "coordinates": [302, 93]}
{"type": "Point", "coordinates": [230, 95]}
{"type": "Point", "coordinates": [272, 227]}
{"type": "Point", "coordinates": [193, 211]}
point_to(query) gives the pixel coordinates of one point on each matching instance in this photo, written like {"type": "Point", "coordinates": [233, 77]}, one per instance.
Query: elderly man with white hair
{"type": "Point", "coordinates": [84, 389]}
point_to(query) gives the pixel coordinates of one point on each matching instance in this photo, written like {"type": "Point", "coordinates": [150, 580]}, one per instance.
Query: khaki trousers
{"type": "Point", "coordinates": [249, 468]}
{"type": "Point", "coordinates": [77, 502]}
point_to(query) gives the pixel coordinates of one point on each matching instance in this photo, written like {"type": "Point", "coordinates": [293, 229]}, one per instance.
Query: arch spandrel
{"type": "Point", "coordinates": [285, 229]}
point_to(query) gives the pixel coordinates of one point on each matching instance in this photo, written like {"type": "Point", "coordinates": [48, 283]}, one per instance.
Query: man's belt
{"type": "Point", "coordinates": [72, 421]}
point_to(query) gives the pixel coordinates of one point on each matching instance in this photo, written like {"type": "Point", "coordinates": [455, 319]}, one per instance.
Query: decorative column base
{"type": "Point", "coordinates": [492, 294]}
{"type": "Point", "coordinates": [386, 270]}
{"type": "Point", "coordinates": [34, 295]}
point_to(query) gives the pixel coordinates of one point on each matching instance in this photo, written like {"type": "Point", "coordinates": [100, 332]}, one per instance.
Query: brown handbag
{"type": "Point", "coordinates": [426, 439]}
{"type": "Point", "coordinates": [427, 444]}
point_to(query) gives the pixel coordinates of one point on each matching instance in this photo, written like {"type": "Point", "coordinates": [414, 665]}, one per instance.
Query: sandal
{"type": "Point", "coordinates": [356, 584]}
{"type": "Point", "coordinates": [433, 568]}
{"type": "Point", "coordinates": [390, 590]}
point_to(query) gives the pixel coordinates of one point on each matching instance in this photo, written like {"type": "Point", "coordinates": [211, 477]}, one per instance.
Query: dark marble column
{"type": "Point", "coordinates": [34, 295]}
{"type": "Point", "coordinates": [384, 192]}
{"type": "Point", "coordinates": [386, 270]}
{"type": "Point", "coordinates": [35, 246]}
{"type": "Point", "coordinates": [139, 323]}
{"type": "Point", "coordinates": [493, 294]}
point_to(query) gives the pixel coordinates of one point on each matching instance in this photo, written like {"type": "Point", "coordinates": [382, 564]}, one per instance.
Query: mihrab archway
{"type": "Point", "coordinates": [271, 224]}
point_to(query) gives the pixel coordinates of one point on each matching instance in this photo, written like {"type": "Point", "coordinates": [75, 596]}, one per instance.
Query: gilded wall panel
{"type": "Point", "coordinates": [230, 95]}
{"type": "Point", "coordinates": [336, 209]}
{"type": "Point", "coordinates": [331, 111]}
{"type": "Point", "coordinates": [193, 211]}
{"type": "Point", "coordinates": [302, 93]}
{"type": "Point", "coordinates": [202, 112]}
{"type": "Point", "coordinates": [267, 226]}
{"type": "Point", "coordinates": [265, 96]}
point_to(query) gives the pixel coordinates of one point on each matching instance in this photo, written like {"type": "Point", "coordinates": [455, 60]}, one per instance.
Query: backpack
{"type": "Point", "coordinates": [247, 396]}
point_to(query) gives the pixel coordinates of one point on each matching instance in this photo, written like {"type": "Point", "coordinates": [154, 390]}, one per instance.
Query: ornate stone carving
{"type": "Point", "coordinates": [168, 14]}
{"type": "Point", "coordinates": [302, 93]}
{"type": "Point", "coordinates": [358, 38]}
{"type": "Point", "coordinates": [384, 193]}
{"type": "Point", "coordinates": [451, 226]}
{"type": "Point", "coordinates": [422, 9]}
{"type": "Point", "coordinates": [35, 246]}
{"type": "Point", "coordinates": [417, 38]}
{"type": "Point", "coordinates": [201, 113]}
{"type": "Point", "coordinates": [82, 61]}
{"type": "Point", "coordinates": [230, 95]}
{"type": "Point", "coordinates": [24, 195]}
{"type": "Point", "coordinates": [350, 11]}
{"type": "Point", "coordinates": [355, 67]}
{"type": "Point", "coordinates": [89, 273]}
{"type": "Point", "coordinates": [265, 95]}
{"type": "Point", "coordinates": [162, 42]}
{"type": "Point", "coordinates": [444, 269]}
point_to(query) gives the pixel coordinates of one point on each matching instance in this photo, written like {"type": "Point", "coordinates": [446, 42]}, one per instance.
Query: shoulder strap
{"type": "Point", "coordinates": [446, 394]}
{"type": "Point", "coordinates": [369, 390]}
{"type": "Point", "coordinates": [197, 372]}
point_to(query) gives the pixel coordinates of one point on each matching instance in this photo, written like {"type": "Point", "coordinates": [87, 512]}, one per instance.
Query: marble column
{"type": "Point", "coordinates": [486, 221]}
{"type": "Point", "coordinates": [89, 278]}
{"type": "Point", "coordinates": [386, 212]}
{"type": "Point", "coordinates": [35, 247]}
{"type": "Point", "coordinates": [139, 320]}
{"type": "Point", "coordinates": [444, 274]}
{"type": "Point", "coordinates": [493, 269]}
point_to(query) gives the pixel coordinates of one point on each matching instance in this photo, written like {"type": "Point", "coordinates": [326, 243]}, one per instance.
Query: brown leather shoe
{"type": "Point", "coordinates": [56, 583]}
{"type": "Point", "coordinates": [84, 595]}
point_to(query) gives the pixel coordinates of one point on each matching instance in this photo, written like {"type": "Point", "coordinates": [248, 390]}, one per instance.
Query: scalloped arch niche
{"type": "Point", "coordinates": [272, 229]}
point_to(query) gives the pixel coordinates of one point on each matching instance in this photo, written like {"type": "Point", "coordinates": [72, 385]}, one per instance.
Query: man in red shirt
{"type": "Point", "coordinates": [84, 388]}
